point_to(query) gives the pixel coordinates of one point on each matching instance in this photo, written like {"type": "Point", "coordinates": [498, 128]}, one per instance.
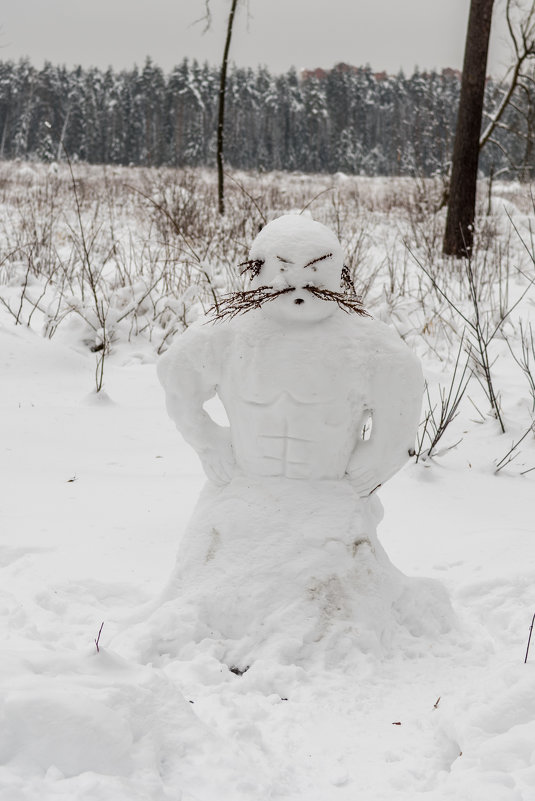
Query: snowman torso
{"type": "Point", "coordinates": [294, 398]}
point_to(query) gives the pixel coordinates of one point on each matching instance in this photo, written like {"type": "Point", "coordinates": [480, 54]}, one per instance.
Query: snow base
{"type": "Point", "coordinates": [291, 572]}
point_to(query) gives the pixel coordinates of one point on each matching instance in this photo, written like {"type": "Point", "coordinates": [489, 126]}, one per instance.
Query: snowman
{"type": "Point", "coordinates": [323, 402]}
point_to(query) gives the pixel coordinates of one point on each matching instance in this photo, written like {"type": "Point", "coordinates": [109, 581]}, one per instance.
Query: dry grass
{"type": "Point", "coordinates": [134, 253]}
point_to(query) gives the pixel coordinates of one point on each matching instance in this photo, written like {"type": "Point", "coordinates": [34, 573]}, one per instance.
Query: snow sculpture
{"type": "Point", "coordinates": [323, 403]}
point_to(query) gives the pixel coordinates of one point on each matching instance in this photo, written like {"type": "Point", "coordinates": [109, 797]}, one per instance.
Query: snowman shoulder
{"type": "Point", "coordinates": [378, 337]}
{"type": "Point", "coordinates": [383, 349]}
{"type": "Point", "coordinates": [198, 350]}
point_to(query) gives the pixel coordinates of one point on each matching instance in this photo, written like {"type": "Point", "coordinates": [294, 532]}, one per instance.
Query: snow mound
{"type": "Point", "coordinates": [289, 572]}
{"type": "Point", "coordinates": [46, 726]}
{"type": "Point", "coordinates": [97, 727]}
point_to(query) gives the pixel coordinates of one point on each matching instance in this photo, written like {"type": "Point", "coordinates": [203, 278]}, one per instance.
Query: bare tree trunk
{"type": "Point", "coordinates": [458, 237]}
{"type": "Point", "coordinates": [3, 142]}
{"type": "Point", "coordinates": [527, 167]}
{"type": "Point", "coordinates": [62, 134]}
{"type": "Point", "coordinates": [221, 110]}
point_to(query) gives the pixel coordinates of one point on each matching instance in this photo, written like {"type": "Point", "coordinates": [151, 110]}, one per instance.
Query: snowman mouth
{"type": "Point", "coordinates": [240, 302]}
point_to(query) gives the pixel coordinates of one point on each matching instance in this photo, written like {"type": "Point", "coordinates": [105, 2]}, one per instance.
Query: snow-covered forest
{"type": "Point", "coordinates": [100, 269]}
{"type": "Point", "coordinates": [346, 119]}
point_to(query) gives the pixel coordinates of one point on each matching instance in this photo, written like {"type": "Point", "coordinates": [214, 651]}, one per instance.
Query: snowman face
{"type": "Point", "coordinates": [296, 252]}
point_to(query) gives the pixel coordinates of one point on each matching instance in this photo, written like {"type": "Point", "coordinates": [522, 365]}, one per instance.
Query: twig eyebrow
{"type": "Point", "coordinates": [320, 258]}
{"type": "Point", "coordinates": [284, 261]}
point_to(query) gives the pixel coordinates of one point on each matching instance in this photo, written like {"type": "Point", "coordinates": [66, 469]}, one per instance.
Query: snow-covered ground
{"type": "Point", "coordinates": [96, 491]}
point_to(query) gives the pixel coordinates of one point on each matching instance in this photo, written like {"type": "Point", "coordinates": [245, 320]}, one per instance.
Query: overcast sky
{"type": "Point", "coordinates": [387, 34]}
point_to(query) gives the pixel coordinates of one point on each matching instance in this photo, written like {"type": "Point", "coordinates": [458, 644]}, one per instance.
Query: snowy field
{"type": "Point", "coordinates": [97, 488]}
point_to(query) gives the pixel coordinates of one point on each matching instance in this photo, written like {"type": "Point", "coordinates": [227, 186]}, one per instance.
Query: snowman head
{"type": "Point", "coordinates": [296, 272]}
{"type": "Point", "coordinates": [297, 256]}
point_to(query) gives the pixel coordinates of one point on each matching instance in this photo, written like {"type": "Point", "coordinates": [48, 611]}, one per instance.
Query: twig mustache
{"type": "Point", "coordinates": [242, 301]}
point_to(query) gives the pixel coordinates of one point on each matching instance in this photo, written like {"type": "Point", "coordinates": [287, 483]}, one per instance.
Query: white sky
{"type": "Point", "coordinates": [387, 34]}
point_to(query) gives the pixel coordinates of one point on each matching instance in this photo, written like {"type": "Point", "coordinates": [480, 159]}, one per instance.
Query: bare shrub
{"type": "Point", "coordinates": [140, 253]}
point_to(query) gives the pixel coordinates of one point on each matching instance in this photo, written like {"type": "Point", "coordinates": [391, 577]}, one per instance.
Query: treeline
{"type": "Point", "coordinates": [345, 119]}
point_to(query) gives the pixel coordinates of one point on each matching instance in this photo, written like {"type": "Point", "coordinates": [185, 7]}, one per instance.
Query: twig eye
{"type": "Point", "coordinates": [252, 266]}
{"type": "Point", "coordinates": [284, 261]}
{"type": "Point", "coordinates": [345, 280]}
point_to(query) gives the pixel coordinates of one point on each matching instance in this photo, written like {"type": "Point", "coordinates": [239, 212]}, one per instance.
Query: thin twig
{"type": "Point", "coordinates": [98, 638]}
{"type": "Point", "coordinates": [529, 638]}
{"type": "Point", "coordinates": [310, 202]}
{"type": "Point", "coordinates": [247, 194]}
{"type": "Point", "coordinates": [502, 463]}
{"type": "Point", "coordinates": [161, 208]}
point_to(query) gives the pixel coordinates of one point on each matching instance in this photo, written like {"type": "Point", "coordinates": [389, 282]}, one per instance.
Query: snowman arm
{"type": "Point", "coordinates": [189, 373]}
{"type": "Point", "coordinates": [395, 400]}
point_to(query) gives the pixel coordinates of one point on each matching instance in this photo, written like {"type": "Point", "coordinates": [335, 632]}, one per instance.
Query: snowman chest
{"type": "Point", "coordinates": [294, 407]}
{"type": "Point", "coordinates": [306, 371]}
